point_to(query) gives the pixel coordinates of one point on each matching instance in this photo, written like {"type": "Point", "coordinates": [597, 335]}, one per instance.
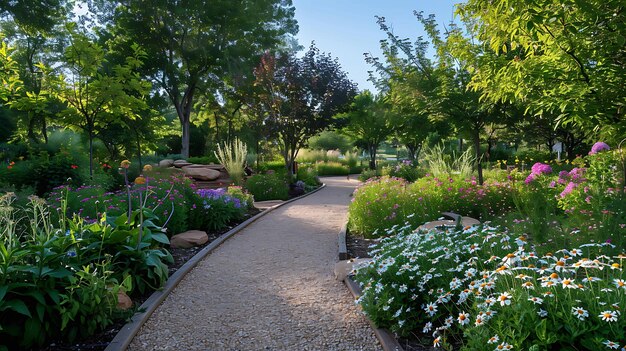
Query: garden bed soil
{"type": "Point", "coordinates": [101, 340]}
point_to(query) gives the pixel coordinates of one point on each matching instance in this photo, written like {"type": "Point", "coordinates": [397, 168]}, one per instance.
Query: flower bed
{"type": "Point", "coordinates": [481, 289]}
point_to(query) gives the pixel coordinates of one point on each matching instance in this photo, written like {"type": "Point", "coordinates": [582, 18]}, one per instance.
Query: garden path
{"type": "Point", "coordinates": [270, 287]}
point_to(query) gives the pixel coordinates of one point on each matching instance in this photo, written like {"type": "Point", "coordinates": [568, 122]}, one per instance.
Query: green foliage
{"type": "Point", "coordinates": [405, 170]}
{"type": "Point", "coordinates": [386, 202]}
{"type": "Point", "coordinates": [213, 210]}
{"type": "Point", "coordinates": [443, 165]}
{"type": "Point", "coordinates": [331, 169]}
{"type": "Point", "coordinates": [233, 158]}
{"type": "Point", "coordinates": [330, 140]}
{"type": "Point", "coordinates": [368, 174]}
{"type": "Point", "coordinates": [47, 288]}
{"type": "Point", "coordinates": [308, 175]}
{"type": "Point", "coordinates": [169, 197]}
{"type": "Point", "coordinates": [300, 96]}
{"type": "Point", "coordinates": [267, 187]}
{"type": "Point", "coordinates": [203, 160]}
{"type": "Point", "coordinates": [535, 44]}
{"type": "Point", "coordinates": [367, 122]}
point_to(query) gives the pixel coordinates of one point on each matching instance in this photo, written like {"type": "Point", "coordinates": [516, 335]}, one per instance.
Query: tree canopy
{"type": "Point", "coordinates": [300, 96]}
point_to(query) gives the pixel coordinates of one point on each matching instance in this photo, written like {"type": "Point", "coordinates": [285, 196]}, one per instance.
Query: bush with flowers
{"type": "Point", "coordinates": [405, 170]}
{"type": "Point", "coordinates": [169, 196]}
{"type": "Point", "coordinates": [383, 202]}
{"type": "Point", "coordinates": [213, 209]}
{"type": "Point", "coordinates": [481, 289]}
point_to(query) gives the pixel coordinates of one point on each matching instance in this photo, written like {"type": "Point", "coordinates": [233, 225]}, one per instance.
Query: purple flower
{"type": "Point", "coordinates": [541, 168]}
{"type": "Point", "coordinates": [563, 174]}
{"type": "Point", "coordinates": [530, 178]}
{"type": "Point", "coordinates": [568, 189]}
{"type": "Point", "coordinates": [599, 146]}
{"type": "Point", "coordinates": [552, 184]}
{"type": "Point", "coordinates": [577, 174]}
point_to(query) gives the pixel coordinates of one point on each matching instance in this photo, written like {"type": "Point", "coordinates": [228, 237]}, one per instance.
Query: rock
{"type": "Point", "coordinates": [437, 225]}
{"type": "Point", "coordinates": [345, 267]}
{"type": "Point", "coordinates": [201, 173]}
{"type": "Point", "coordinates": [168, 162]}
{"type": "Point", "coordinates": [181, 163]}
{"type": "Point", "coordinates": [123, 301]}
{"type": "Point", "coordinates": [469, 221]}
{"type": "Point", "coordinates": [189, 239]}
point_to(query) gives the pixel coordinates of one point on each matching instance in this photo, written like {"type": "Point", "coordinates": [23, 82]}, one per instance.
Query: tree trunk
{"type": "Point", "coordinates": [479, 166]}
{"type": "Point", "coordinates": [411, 151]}
{"type": "Point", "coordinates": [185, 140]}
{"type": "Point", "coordinates": [90, 154]}
{"type": "Point", "coordinates": [460, 145]}
{"type": "Point", "coordinates": [183, 109]}
{"type": "Point", "coordinates": [372, 151]}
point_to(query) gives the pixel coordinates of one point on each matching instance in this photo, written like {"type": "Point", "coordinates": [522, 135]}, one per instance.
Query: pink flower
{"type": "Point", "coordinates": [568, 189]}
{"type": "Point", "coordinates": [541, 168]}
{"type": "Point", "coordinates": [599, 146]}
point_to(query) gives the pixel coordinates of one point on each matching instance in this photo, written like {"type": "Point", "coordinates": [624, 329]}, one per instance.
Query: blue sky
{"type": "Point", "coordinates": [347, 28]}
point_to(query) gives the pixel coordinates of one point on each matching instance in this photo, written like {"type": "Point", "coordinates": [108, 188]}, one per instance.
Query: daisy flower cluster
{"type": "Point", "coordinates": [483, 289]}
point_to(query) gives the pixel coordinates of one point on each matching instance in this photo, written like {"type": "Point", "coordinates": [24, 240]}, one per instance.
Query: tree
{"type": "Point", "coordinates": [193, 44]}
{"type": "Point", "coordinates": [40, 15]}
{"type": "Point", "coordinates": [561, 58]}
{"type": "Point", "coordinates": [368, 123]}
{"type": "Point", "coordinates": [96, 96]}
{"type": "Point", "coordinates": [300, 96]}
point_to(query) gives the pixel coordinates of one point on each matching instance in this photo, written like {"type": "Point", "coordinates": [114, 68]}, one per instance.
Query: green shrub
{"type": "Point", "coordinates": [59, 280]}
{"type": "Point", "coordinates": [308, 175]}
{"type": "Point", "coordinates": [214, 209]}
{"type": "Point", "coordinates": [405, 170]}
{"type": "Point", "coordinates": [203, 160]}
{"type": "Point", "coordinates": [368, 174]}
{"type": "Point", "coordinates": [382, 203]}
{"type": "Point", "coordinates": [330, 140]}
{"type": "Point", "coordinates": [331, 169]}
{"type": "Point", "coordinates": [267, 187]}
{"type": "Point", "coordinates": [275, 166]}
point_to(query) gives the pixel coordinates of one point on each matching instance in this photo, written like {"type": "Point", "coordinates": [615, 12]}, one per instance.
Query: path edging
{"type": "Point", "coordinates": [343, 247]}
{"type": "Point", "coordinates": [384, 336]}
{"type": "Point", "coordinates": [127, 333]}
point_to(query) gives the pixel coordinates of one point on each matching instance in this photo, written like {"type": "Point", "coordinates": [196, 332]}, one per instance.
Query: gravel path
{"type": "Point", "coordinates": [270, 287]}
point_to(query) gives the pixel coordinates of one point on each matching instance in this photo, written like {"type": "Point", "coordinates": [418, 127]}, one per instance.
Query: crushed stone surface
{"type": "Point", "coordinates": [270, 287]}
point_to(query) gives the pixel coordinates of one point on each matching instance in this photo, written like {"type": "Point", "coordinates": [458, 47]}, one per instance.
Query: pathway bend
{"type": "Point", "coordinates": [270, 287]}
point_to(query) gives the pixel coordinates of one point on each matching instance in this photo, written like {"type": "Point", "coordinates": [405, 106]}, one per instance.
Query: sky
{"type": "Point", "coordinates": [347, 28]}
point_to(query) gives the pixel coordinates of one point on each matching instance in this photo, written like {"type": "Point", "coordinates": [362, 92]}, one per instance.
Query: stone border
{"type": "Point", "coordinates": [343, 247]}
{"type": "Point", "coordinates": [385, 337]}
{"type": "Point", "coordinates": [127, 333]}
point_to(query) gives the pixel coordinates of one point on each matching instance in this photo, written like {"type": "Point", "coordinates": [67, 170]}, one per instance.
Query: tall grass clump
{"type": "Point", "coordinates": [233, 157]}
{"type": "Point", "coordinates": [442, 165]}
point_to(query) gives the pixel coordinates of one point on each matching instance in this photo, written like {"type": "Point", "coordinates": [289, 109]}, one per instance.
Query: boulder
{"type": "Point", "coordinates": [168, 162]}
{"type": "Point", "coordinates": [123, 301]}
{"type": "Point", "coordinates": [189, 239]}
{"type": "Point", "coordinates": [181, 163]}
{"type": "Point", "coordinates": [345, 267]}
{"type": "Point", "coordinates": [201, 173]}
